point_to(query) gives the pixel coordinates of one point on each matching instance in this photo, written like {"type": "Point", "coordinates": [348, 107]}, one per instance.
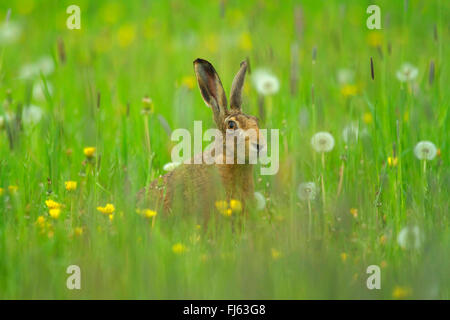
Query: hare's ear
{"type": "Point", "coordinates": [236, 87]}
{"type": "Point", "coordinates": [211, 88]}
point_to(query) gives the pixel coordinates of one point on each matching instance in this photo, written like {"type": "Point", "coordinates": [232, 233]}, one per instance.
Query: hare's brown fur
{"type": "Point", "coordinates": [196, 187]}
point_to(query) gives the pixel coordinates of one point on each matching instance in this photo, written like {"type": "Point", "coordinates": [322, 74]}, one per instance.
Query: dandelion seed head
{"type": "Point", "coordinates": [31, 115]}
{"type": "Point", "coordinates": [38, 90]}
{"type": "Point", "coordinates": [345, 76]}
{"type": "Point", "coordinates": [9, 32]}
{"type": "Point", "coordinates": [265, 82]}
{"type": "Point", "coordinates": [322, 142]}
{"type": "Point", "coordinates": [407, 72]}
{"type": "Point", "coordinates": [425, 150]}
{"type": "Point", "coordinates": [410, 238]}
{"type": "Point", "coordinates": [350, 134]}
{"type": "Point", "coordinates": [260, 201]}
{"type": "Point", "coordinates": [307, 191]}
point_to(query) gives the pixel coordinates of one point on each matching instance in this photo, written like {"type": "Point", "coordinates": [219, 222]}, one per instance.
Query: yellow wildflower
{"type": "Point", "coordinates": [344, 256]}
{"type": "Point", "coordinates": [188, 82]}
{"type": "Point", "coordinates": [235, 205]}
{"type": "Point", "coordinates": [54, 213]}
{"type": "Point", "coordinates": [226, 208]}
{"type": "Point", "coordinates": [222, 206]}
{"type": "Point", "coordinates": [392, 161]}
{"type": "Point", "coordinates": [245, 41]}
{"type": "Point", "coordinates": [178, 248]}
{"type": "Point", "coordinates": [78, 231]}
{"type": "Point", "coordinates": [52, 204]}
{"type": "Point", "coordinates": [13, 189]}
{"type": "Point", "coordinates": [275, 253]}
{"type": "Point", "coordinates": [108, 209]}
{"type": "Point", "coordinates": [149, 213]}
{"type": "Point", "coordinates": [211, 43]}
{"type": "Point", "coordinates": [401, 292]}
{"type": "Point", "coordinates": [354, 212]}
{"type": "Point", "coordinates": [375, 39]}
{"type": "Point", "coordinates": [111, 12]}
{"type": "Point", "coordinates": [71, 185]}
{"type": "Point", "coordinates": [40, 221]}
{"type": "Point", "coordinates": [367, 118]}
{"type": "Point", "coordinates": [89, 152]}
{"type": "Point", "coordinates": [406, 116]}
{"type": "Point", "coordinates": [126, 35]}
{"type": "Point", "coordinates": [349, 90]}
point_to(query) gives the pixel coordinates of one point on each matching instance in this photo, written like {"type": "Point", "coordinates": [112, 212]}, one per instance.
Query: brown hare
{"type": "Point", "coordinates": [196, 187]}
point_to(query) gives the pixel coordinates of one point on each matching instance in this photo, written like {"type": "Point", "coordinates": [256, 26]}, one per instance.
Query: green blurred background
{"type": "Point", "coordinates": [125, 51]}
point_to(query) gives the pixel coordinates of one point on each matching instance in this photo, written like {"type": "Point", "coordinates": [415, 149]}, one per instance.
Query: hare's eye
{"type": "Point", "coordinates": [232, 124]}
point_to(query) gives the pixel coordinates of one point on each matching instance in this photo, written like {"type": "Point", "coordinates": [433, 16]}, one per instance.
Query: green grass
{"type": "Point", "coordinates": [125, 51]}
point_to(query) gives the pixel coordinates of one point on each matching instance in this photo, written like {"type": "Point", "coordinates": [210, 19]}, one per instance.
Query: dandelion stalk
{"type": "Point", "coordinates": [310, 218]}
{"type": "Point", "coordinates": [323, 183]}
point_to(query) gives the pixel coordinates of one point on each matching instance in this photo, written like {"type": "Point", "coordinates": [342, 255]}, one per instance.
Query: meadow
{"type": "Point", "coordinates": [85, 123]}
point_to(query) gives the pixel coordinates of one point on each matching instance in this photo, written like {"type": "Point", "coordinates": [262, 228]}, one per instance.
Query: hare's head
{"type": "Point", "coordinates": [230, 121]}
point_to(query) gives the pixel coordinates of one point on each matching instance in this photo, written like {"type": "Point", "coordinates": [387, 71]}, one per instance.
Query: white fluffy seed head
{"type": "Point", "coordinates": [345, 76]}
{"type": "Point", "coordinates": [322, 142]}
{"type": "Point", "coordinates": [39, 88]}
{"type": "Point", "coordinates": [9, 32]}
{"type": "Point", "coordinates": [170, 166]}
{"type": "Point", "coordinates": [410, 238]}
{"type": "Point", "coordinates": [307, 191]}
{"type": "Point", "coordinates": [350, 134]}
{"type": "Point", "coordinates": [407, 72]}
{"type": "Point", "coordinates": [425, 150]}
{"type": "Point", "coordinates": [260, 201]}
{"type": "Point", "coordinates": [265, 82]}
{"type": "Point", "coordinates": [31, 115]}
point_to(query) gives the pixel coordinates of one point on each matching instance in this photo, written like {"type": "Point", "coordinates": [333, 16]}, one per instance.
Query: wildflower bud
{"type": "Point", "coordinates": [147, 105]}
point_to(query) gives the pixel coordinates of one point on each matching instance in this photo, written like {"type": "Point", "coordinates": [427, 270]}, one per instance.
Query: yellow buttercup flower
{"type": "Point", "coordinates": [222, 206]}
{"type": "Point", "coordinates": [245, 41]}
{"type": "Point", "coordinates": [354, 212]}
{"type": "Point", "coordinates": [54, 213]}
{"type": "Point", "coordinates": [188, 82]}
{"type": "Point", "coordinates": [71, 185]}
{"type": "Point", "coordinates": [401, 292]}
{"type": "Point", "coordinates": [89, 152]}
{"type": "Point", "coordinates": [178, 248]}
{"type": "Point", "coordinates": [40, 221]}
{"type": "Point", "coordinates": [349, 90]}
{"type": "Point", "coordinates": [13, 189]}
{"type": "Point", "coordinates": [235, 205]}
{"type": "Point", "coordinates": [78, 231]}
{"type": "Point", "coordinates": [126, 35]}
{"type": "Point", "coordinates": [149, 213]}
{"type": "Point", "coordinates": [275, 253]}
{"type": "Point", "coordinates": [111, 12]}
{"type": "Point", "coordinates": [226, 208]}
{"type": "Point", "coordinates": [52, 204]}
{"type": "Point", "coordinates": [108, 209]}
{"type": "Point", "coordinates": [375, 39]}
{"type": "Point", "coordinates": [367, 118]}
{"type": "Point", "coordinates": [392, 161]}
